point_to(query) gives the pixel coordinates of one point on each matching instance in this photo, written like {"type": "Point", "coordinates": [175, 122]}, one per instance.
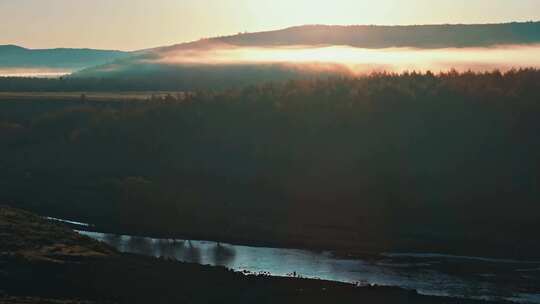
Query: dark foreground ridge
{"type": "Point", "coordinates": [45, 262]}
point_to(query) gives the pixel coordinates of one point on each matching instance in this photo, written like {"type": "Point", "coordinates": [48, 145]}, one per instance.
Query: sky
{"type": "Point", "coordinates": [140, 24]}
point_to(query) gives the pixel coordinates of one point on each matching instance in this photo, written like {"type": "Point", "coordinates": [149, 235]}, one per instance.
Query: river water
{"type": "Point", "coordinates": [430, 274]}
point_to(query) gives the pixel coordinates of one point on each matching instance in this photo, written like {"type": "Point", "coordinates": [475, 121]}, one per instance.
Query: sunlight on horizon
{"type": "Point", "coordinates": [140, 24]}
{"type": "Point", "coordinates": [361, 60]}
{"type": "Point", "coordinates": [34, 72]}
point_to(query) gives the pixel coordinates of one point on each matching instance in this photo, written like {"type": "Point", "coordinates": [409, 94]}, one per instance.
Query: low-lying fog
{"type": "Point", "coordinates": [324, 59]}
{"type": "Point", "coordinates": [359, 60]}
{"type": "Point", "coordinates": [33, 72]}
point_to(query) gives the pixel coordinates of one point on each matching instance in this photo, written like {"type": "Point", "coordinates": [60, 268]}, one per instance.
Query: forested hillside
{"type": "Point", "coordinates": [443, 162]}
{"type": "Point", "coordinates": [374, 36]}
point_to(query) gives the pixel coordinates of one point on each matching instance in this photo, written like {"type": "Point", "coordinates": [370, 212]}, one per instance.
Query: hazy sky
{"type": "Point", "coordinates": [137, 24]}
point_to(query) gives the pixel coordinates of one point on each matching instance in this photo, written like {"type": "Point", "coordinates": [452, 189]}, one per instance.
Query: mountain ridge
{"type": "Point", "coordinates": [521, 32]}
{"type": "Point", "coordinates": [19, 47]}
{"type": "Point", "coordinates": [18, 57]}
{"type": "Point", "coordinates": [110, 63]}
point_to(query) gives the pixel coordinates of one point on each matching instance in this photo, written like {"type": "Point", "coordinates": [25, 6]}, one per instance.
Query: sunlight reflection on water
{"type": "Point", "coordinates": [425, 275]}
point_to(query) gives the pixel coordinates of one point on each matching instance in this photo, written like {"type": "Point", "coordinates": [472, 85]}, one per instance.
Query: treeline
{"type": "Point", "coordinates": [133, 75]}
{"type": "Point", "coordinates": [73, 84]}
{"type": "Point", "coordinates": [445, 162]}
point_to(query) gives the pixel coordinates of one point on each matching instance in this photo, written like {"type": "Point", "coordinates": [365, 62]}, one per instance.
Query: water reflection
{"type": "Point", "coordinates": [141, 245]}
{"type": "Point", "coordinates": [223, 254]}
{"type": "Point", "coordinates": [166, 248]}
{"type": "Point", "coordinates": [113, 240]}
{"type": "Point", "coordinates": [433, 275]}
{"type": "Point", "coordinates": [189, 253]}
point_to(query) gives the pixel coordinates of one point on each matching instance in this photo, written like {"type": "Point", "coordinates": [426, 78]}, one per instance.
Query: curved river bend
{"type": "Point", "coordinates": [430, 274]}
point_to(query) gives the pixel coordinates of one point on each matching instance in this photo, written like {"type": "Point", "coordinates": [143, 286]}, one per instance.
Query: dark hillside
{"type": "Point", "coordinates": [446, 163]}
{"type": "Point", "coordinates": [374, 36]}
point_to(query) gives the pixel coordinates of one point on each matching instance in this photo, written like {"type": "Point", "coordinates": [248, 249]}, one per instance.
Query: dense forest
{"type": "Point", "coordinates": [446, 162]}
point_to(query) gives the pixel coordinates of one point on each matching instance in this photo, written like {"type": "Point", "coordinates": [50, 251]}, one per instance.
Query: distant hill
{"type": "Point", "coordinates": [152, 63]}
{"type": "Point", "coordinates": [12, 56]}
{"type": "Point", "coordinates": [374, 36]}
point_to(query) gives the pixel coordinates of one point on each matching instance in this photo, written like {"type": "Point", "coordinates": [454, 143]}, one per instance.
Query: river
{"type": "Point", "coordinates": [429, 274]}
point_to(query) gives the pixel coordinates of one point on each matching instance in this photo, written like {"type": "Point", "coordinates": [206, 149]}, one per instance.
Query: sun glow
{"type": "Point", "coordinates": [360, 60]}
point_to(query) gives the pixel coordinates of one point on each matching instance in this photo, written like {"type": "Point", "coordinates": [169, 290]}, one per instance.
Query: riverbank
{"type": "Point", "coordinates": [345, 248]}
{"type": "Point", "coordinates": [45, 260]}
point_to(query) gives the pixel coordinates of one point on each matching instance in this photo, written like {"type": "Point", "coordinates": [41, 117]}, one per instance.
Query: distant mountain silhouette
{"type": "Point", "coordinates": [148, 63]}
{"type": "Point", "coordinates": [374, 36]}
{"type": "Point", "coordinates": [12, 56]}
